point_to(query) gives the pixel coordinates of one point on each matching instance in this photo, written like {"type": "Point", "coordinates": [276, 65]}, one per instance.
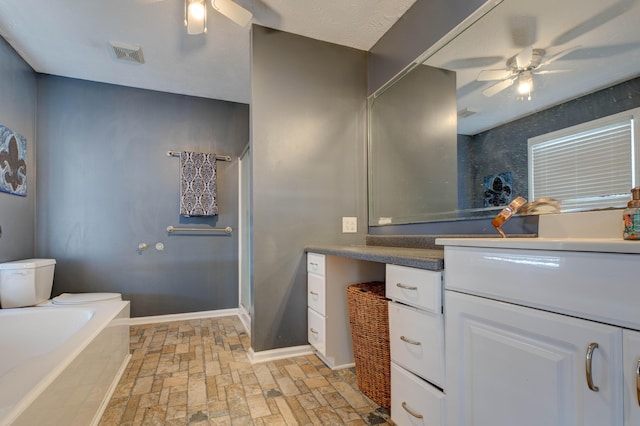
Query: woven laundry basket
{"type": "Point", "coordinates": [369, 321]}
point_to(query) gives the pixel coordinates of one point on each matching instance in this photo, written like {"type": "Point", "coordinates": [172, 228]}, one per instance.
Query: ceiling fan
{"type": "Point", "coordinates": [195, 14]}
{"type": "Point", "coordinates": [521, 68]}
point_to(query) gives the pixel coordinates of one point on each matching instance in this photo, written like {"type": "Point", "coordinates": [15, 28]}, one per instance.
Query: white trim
{"type": "Point", "coordinates": [110, 391]}
{"type": "Point", "coordinates": [281, 353]}
{"type": "Point", "coordinates": [183, 317]}
{"type": "Point", "coordinates": [245, 319]}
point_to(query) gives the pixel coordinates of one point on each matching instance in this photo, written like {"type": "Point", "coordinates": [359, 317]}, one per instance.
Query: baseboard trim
{"type": "Point", "coordinates": [183, 317]}
{"type": "Point", "coordinates": [245, 319]}
{"type": "Point", "coordinates": [281, 353]}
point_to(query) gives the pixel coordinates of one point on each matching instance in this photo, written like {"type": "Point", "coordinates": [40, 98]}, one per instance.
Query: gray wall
{"type": "Point", "coordinates": [106, 185]}
{"type": "Point", "coordinates": [309, 144]}
{"type": "Point", "coordinates": [18, 112]}
{"type": "Point", "coordinates": [505, 147]}
{"type": "Point", "coordinates": [413, 147]}
{"type": "Point", "coordinates": [426, 22]}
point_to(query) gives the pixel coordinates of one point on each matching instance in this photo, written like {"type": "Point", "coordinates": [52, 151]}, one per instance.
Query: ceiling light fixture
{"type": "Point", "coordinates": [233, 11]}
{"type": "Point", "coordinates": [525, 84]}
{"type": "Point", "coordinates": [195, 16]}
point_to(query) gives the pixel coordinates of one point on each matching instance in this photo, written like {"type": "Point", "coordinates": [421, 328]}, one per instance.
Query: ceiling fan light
{"type": "Point", "coordinates": [525, 84]}
{"type": "Point", "coordinates": [524, 88]}
{"type": "Point", "coordinates": [195, 18]}
{"type": "Point", "coordinates": [233, 11]}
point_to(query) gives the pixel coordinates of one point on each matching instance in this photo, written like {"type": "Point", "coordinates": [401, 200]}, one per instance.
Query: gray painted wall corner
{"type": "Point", "coordinates": [18, 113]}
{"type": "Point", "coordinates": [308, 142]}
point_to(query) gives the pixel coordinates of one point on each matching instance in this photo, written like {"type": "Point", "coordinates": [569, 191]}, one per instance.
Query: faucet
{"type": "Point", "coordinates": [520, 205]}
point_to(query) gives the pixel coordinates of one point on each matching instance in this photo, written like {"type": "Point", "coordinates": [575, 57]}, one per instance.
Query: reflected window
{"type": "Point", "coordinates": [591, 165]}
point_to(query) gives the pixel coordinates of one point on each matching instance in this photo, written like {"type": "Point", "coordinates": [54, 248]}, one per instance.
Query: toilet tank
{"type": "Point", "coordinates": [25, 282]}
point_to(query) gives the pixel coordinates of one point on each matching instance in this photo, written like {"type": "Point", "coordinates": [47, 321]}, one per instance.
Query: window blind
{"type": "Point", "coordinates": [588, 166]}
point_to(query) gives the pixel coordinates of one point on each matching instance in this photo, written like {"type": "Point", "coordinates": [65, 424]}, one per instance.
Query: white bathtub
{"type": "Point", "coordinates": [58, 365]}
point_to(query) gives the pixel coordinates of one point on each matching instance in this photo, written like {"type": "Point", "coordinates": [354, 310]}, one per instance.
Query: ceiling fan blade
{"type": "Point", "coordinates": [547, 72]}
{"type": "Point", "coordinates": [523, 59]}
{"type": "Point", "coordinates": [233, 11]}
{"type": "Point", "coordinates": [608, 14]}
{"type": "Point", "coordinates": [490, 75]}
{"type": "Point", "coordinates": [498, 87]}
{"type": "Point", "coordinates": [524, 30]}
{"type": "Point", "coordinates": [558, 55]}
{"type": "Point", "coordinates": [467, 63]}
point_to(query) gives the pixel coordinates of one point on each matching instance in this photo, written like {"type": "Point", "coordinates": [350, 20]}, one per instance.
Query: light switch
{"type": "Point", "coordinates": [349, 225]}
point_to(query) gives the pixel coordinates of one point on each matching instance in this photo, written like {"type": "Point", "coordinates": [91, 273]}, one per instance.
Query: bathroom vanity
{"type": "Point", "coordinates": [542, 331]}
{"type": "Point", "coordinates": [416, 323]}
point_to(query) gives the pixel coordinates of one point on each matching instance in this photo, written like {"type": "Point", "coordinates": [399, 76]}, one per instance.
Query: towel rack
{"type": "Point", "coordinates": [218, 157]}
{"type": "Point", "coordinates": [171, 229]}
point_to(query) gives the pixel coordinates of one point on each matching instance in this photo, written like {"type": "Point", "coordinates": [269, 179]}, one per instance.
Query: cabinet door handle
{"type": "Point", "coordinates": [590, 349]}
{"type": "Point", "coordinates": [409, 341]}
{"type": "Point", "coordinates": [313, 330]}
{"type": "Point", "coordinates": [313, 293]}
{"type": "Point", "coordinates": [410, 411]}
{"type": "Point", "coordinates": [406, 287]}
{"type": "Point", "coordinates": [638, 381]}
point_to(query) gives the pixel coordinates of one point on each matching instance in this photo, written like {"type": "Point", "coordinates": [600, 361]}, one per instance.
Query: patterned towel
{"type": "Point", "coordinates": [198, 184]}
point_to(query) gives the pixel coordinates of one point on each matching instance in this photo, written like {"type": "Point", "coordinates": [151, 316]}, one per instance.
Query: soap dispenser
{"type": "Point", "coordinates": [631, 217]}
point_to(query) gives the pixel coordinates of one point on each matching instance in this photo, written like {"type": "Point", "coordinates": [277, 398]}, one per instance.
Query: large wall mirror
{"type": "Point", "coordinates": [449, 139]}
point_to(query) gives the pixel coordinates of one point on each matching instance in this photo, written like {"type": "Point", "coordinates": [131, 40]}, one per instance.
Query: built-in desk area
{"type": "Point", "coordinates": [413, 276]}
{"type": "Point", "coordinates": [431, 259]}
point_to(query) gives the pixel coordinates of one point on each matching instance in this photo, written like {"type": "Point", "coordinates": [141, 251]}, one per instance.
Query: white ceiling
{"type": "Point", "coordinates": [70, 38]}
{"type": "Point", "coordinates": [600, 40]}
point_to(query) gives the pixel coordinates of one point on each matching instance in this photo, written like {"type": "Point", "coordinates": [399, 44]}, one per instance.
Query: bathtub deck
{"type": "Point", "coordinates": [197, 372]}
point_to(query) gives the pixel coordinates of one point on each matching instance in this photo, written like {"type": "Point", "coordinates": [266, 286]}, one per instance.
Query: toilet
{"type": "Point", "coordinates": [28, 283]}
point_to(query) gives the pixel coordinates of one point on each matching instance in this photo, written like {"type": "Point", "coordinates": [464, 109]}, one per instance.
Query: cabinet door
{"type": "Point", "coordinates": [510, 365]}
{"type": "Point", "coordinates": [416, 341]}
{"type": "Point", "coordinates": [316, 333]}
{"type": "Point", "coordinates": [631, 361]}
{"type": "Point", "coordinates": [414, 402]}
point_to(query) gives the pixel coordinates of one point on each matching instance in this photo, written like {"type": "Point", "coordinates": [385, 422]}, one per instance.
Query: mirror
{"type": "Point", "coordinates": [583, 57]}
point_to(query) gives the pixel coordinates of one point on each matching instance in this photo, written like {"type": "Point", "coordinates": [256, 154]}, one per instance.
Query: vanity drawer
{"type": "Point", "coordinates": [316, 293]}
{"type": "Point", "coordinates": [316, 331]}
{"type": "Point", "coordinates": [417, 287]}
{"type": "Point", "coordinates": [411, 397]}
{"type": "Point", "coordinates": [315, 263]}
{"type": "Point", "coordinates": [416, 341]}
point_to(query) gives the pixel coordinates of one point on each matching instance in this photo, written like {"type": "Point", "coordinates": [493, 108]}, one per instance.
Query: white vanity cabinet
{"type": "Point", "coordinates": [541, 337]}
{"type": "Point", "coordinates": [511, 365]}
{"type": "Point", "coordinates": [327, 310]}
{"type": "Point", "coordinates": [631, 374]}
{"type": "Point", "coordinates": [416, 337]}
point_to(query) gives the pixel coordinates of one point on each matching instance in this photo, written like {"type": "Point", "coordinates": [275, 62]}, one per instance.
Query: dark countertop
{"type": "Point", "coordinates": [417, 251]}
{"type": "Point", "coordinates": [432, 259]}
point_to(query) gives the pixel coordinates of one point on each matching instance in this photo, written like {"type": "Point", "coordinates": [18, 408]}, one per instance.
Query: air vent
{"type": "Point", "coordinates": [127, 52]}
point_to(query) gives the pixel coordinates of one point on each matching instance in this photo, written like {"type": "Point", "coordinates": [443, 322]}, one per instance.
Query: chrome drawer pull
{"type": "Point", "coordinates": [313, 330]}
{"type": "Point", "coordinates": [592, 347]}
{"type": "Point", "coordinates": [409, 341]}
{"type": "Point", "coordinates": [638, 382]}
{"type": "Point", "coordinates": [410, 411]}
{"type": "Point", "coordinates": [406, 287]}
{"type": "Point", "coordinates": [314, 293]}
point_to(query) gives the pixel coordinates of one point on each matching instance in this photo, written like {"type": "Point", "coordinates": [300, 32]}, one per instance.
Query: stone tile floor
{"type": "Point", "coordinates": [197, 373]}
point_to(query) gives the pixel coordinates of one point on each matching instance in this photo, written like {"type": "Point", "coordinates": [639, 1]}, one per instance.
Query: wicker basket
{"type": "Point", "coordinates": [369, 320]}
